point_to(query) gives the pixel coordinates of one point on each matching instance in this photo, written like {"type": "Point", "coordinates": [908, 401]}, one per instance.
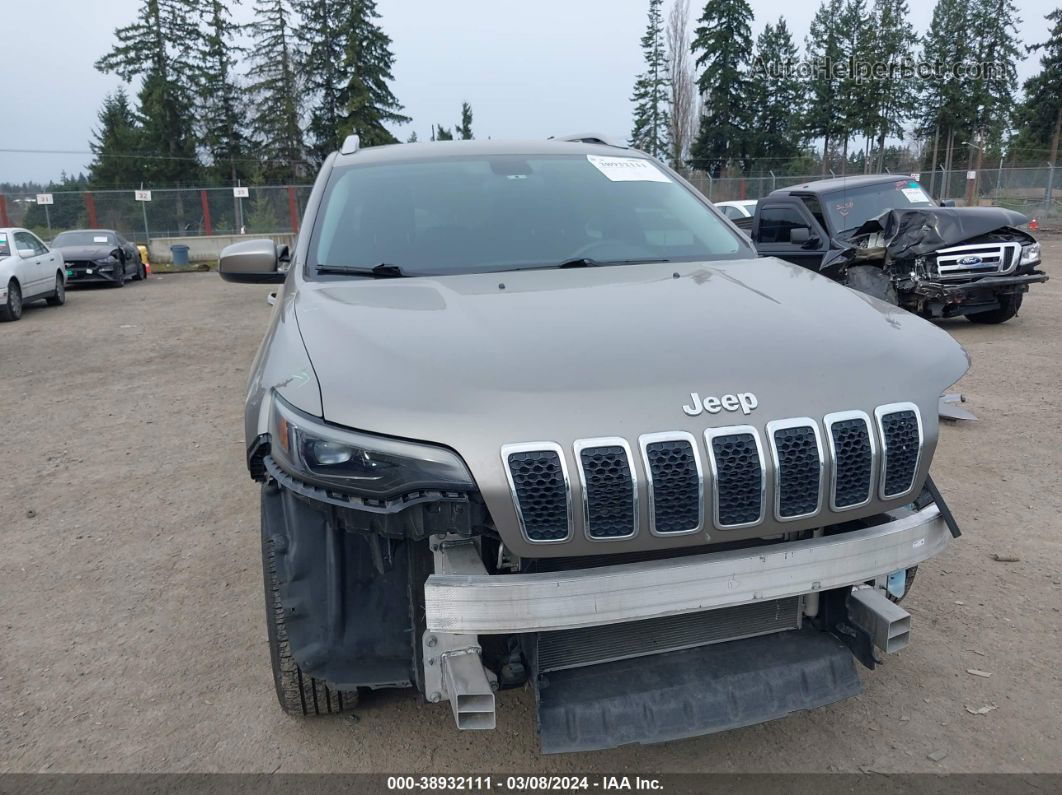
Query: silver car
{"type": "Point", "coordinates": [29, 271]}
{"type": "Point", "coordinates": [534, 412]}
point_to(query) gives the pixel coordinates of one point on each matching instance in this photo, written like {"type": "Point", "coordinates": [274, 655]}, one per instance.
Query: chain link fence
{"type": "Point", "coordinates": [1033, 191]}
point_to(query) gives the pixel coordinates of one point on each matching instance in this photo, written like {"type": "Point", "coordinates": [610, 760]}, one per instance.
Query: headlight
{"type": "Point", "coordinates": [1030, 253]}
{"type": "Point", "coordinates": [360, 463]}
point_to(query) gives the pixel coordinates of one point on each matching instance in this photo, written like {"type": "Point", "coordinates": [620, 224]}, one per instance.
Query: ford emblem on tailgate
{"type": "Point", "coordinates": [969, 261]}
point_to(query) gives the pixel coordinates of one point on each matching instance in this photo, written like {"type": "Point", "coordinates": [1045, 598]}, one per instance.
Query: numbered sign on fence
{"type": "Point", "coordinates": [241, 193]}
{"type": "Point", "coordinates": [142, 195]}
{"type": "Point", "coordinates": [45, 198]}
{"type": "Point", "coordinates": [916, 176]}
{"type": "Point", "coordinates": [971, 175]}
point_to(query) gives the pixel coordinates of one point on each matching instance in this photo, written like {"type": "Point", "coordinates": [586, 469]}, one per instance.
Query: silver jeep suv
{"type": "Point", "coordinates": [536, 412]}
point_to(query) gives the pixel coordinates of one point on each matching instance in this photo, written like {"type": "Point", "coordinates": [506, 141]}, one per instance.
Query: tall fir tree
{"type": "Point", "coordinates": [368, 102]}
{"type": "Point", "coordinates": [995, 26]}
{"type": "Point", "coordinates": [1040, 115]}
{"type": "Point", "coordinates": [464, 129]}
{"type": "Point", "coordinates": [824, 54]}
{"type": "Point", "coordinates": [891, 95]}
{"type": "Point", "coordinates": [778, 95]}
{"type": "Point", "coordinates": [322, 43]}
{"type": "Point", "coordinates": [650, 132]}
{"type": "Point", "coordinates": [723, 45]}
{"type": "Point", "coordinates": [160, 47]}
{"type": "Point", "coordinates": [274, 93]}
{"type": "Point", "coordinates": [114, 145]}
{"type": "Point", "coordinates": [223, 112]}
{"type": "Point", "coordinates": [857, 53]}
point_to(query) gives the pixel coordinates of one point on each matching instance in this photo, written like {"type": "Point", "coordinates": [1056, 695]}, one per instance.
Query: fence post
{"type": "Point", "coordinates": [711, 185]}
{"type": "Point", "coordinates": [1049, 194]}
{"type": "Point", "coordinates": [3, 211]}
{"type": "Point", "coordinates": [293, 210]}
{"type": "Point", "coordinates": [90, 209]}
{"type": "Point", "coordinates": [774, 181]}
{"type": "Point", "coordinates": [207, 224]}
{"type": "Point", "coordinates": [943, 184]}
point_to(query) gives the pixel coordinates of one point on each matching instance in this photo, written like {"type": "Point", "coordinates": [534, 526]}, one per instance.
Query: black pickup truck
{"type": "Point", "coordinates": [882, 234]}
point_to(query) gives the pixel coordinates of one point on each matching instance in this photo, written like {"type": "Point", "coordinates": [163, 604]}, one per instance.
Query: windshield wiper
{"type": "Point", "coordinates": [589, 262]}
{"type": "Point", "coordinates": [384, 270]}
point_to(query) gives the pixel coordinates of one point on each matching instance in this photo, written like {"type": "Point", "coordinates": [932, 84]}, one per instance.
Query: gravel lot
{"type": "Point", "coordinates": [132, 635]}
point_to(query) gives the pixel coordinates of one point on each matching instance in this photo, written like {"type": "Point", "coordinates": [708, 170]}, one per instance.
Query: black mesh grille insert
{"type": "Point", "coordinates": [900, 431]}
{"type": "Point", "coordinates": [540, 493]}
{"type": "Point", "coordinates": [852, 462]}
{"type": "Point", "coordinates": [609, 492]}
{"type": "Point", "coordinates": [739, 479]}
{"type": "Point", "coordinates": [799, 471]}
{"type": "Point", "coordinates": [676, 486]}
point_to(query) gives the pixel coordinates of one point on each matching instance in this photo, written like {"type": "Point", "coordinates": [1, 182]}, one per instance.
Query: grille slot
{"type": "Point", "coordinates": [901, 445]}
{"type": "Point", "coordinates": [798, 464]}
{"type": "Point", "coordinates": [541, 492]}
{"type": "Point", "coordinates": [610, 488]}
{"type": "Point", "coordinates": [676, 483]}
{"type": "Point", "coordinates": [852, 450]}
{"type": "Point", "coordinates": [738, 475]}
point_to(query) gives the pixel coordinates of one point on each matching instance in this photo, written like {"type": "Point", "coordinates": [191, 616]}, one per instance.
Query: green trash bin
{"type": "Point", "coordinates": [180, 254]}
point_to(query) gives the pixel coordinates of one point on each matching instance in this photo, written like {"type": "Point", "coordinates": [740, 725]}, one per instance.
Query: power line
{"type": "Point", "coordinates": [143, 156]}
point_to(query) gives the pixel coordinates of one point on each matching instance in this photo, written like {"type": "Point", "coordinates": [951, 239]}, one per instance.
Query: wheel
{"type": "Point", "coordinates": [121, 279]}
{"type": "Point", "coordinates": [873, 281]}
{"type": "Point", "coordinates": [141, 271]}
{"type": "Point", "coordinates": [58, 298]}
{"type": "Point", "coordinates": [12, 309]}
{"type": "Point", "coordinates": [1008, 308]}
{"type": "Point", "coordinates": [298, 693]}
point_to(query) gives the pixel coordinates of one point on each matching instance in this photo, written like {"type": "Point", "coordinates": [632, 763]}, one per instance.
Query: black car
{"type": "Point", "coordinates": [99, 255]}
{"type": "Point", "coordinates": [882, 234]}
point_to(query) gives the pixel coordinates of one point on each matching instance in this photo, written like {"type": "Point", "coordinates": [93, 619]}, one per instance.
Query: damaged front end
{"type": "Point", "coordinates": [945, 262]}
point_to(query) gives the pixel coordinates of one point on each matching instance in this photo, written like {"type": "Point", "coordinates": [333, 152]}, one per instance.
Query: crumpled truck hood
{"type": "Point", "coordinates": [477, 361]}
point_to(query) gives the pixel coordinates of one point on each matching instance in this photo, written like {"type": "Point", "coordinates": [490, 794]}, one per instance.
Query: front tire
{"type": "Point", "coordinates": [12, 308]}
{"type": "Point", "coordinates": [873, 281]}
{"type": "Point", "coordinates": [1008, 308]}
{"type": "Point", "coordinates": [141, 271]}
{"type": "Point", "coordinates": [297, 692]}
{"type": "Point", "coordinates": [58, 298]}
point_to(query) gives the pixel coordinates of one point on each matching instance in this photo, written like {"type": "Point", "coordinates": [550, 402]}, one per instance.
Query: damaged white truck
{"type": "Point", "coordinates": [536, 414]}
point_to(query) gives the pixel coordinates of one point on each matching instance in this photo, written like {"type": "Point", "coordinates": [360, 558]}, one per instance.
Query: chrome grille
{"type": "Point", "coordinates": [852, 450]}
{"type": "Point", "coordinates": [738, 476]}
{"type": "Point", "coordinates": [847, 456]}
{"type": "Point", "coordinates": [610, 488]}
{"type": "Point", "coordinates": [901, 445]}
{"type": "Point", "coordinates": [976, 259]}
{"type": "Point", "coordinates": [675, 483]}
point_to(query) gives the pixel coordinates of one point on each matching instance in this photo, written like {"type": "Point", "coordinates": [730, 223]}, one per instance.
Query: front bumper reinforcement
{"type": "Point", "coordinates": [467, 600]}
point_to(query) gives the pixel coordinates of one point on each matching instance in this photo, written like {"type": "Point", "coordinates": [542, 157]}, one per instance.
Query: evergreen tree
{"type": "Point", "coordinates": [160, 47]}
{"type": "Point", "coordinates": [412, 139]}
{"type": "Point", "coordinates": [891, 95]}
{"type": "Point", "coordinates": [464, 129]}
{"type": "Point", "coordinates": [222, 109]}
{"type": "Point", "coordinates": [440, 133]}
{"type": "Point", "coordinates": [855, 42]}
{"type": "Point", "coordinates": [723, 45]}
{"type": "Point", "coordinates": [114, 144]}
{"type": "Point", "coordinates": [274, 93]}
{"type": "Point", "coordinates": [322, 38]}
{"type": "Point", "coordinates": [825, 59]}
{"type": "Point", "coordinates": [778, 95]}
{"type": "Point", "coordinates": [650, 133]}
{"type": "Point", "coordinates": [995, 24]}
{"type": "Point", "coordinates": [368, 102]}
{"type": "Point", "coordinates": [1040, 114]}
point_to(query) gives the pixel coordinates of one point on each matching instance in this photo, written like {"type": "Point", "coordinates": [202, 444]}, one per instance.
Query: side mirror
{"type": "Point", "coordinates": [947, 202]}
{"type": "Point", "coordinates": [799, 235]}
{"type": "Point", "coordinates": [252, 261]}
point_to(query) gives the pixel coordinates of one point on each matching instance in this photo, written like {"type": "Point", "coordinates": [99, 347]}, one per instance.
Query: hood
{"type": "Point", "coordinates": [915, 233]}
{"type": "Point", "coordinates": [98, 251]}
{"type": "Point", "coordinates": [477, 361]}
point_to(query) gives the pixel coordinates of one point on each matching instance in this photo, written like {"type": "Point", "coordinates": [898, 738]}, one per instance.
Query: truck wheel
{"type": "Point", "coordinates": [873, 281]}
{"type": "Point", "coordinates": [298, 693]}
{"type": "Point", "coordinates": [1008, 308]}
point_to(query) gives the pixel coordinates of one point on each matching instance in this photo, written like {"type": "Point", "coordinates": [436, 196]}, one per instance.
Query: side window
{"type": "Point", "coordinates": [815, 208]}
{"type": "Point", "coordinates": [27, 244]}
{"type": "Point", "coordinates": [777, 222]}
{"type": "Point", "coordinates": [38, 246]}
{"type": "Point", "coordinates": [731, 212]}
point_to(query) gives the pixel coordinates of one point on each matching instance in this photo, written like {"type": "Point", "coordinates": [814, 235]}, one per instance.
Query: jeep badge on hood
{"type": "Point", "coordinates": [743, 401]}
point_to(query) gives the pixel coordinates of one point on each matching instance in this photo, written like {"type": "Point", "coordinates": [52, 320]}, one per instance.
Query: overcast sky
{"type": "Point", "coordinates": [529, 68]}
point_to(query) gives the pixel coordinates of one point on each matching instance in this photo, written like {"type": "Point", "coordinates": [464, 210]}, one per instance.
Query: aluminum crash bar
{"type": "Point", "coordinates": [481, 603]}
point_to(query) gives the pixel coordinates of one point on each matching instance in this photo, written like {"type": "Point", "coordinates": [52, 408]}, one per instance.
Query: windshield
{"type": "Point", "coordinates": [89, 238]}
{"type": "Point", "coordinates": [490, 213]}
{"type": "Point", "coordinates": [852, 207]}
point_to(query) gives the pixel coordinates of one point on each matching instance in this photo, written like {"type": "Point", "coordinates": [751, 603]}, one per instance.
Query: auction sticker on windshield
{"type": "Point", "coordinates": [628, 169]}
{"type": "Point", "coordinates": [915, 194]}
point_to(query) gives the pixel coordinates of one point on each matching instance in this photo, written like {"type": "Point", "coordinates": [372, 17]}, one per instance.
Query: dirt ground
{"type": "Point", "coordinates": [132, 633]}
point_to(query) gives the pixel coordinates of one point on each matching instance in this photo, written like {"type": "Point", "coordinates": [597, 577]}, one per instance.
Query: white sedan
{"type": "Point", "coordinates": [738, 209]}
{"type": "Point", "coordinates": [29, 271]}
